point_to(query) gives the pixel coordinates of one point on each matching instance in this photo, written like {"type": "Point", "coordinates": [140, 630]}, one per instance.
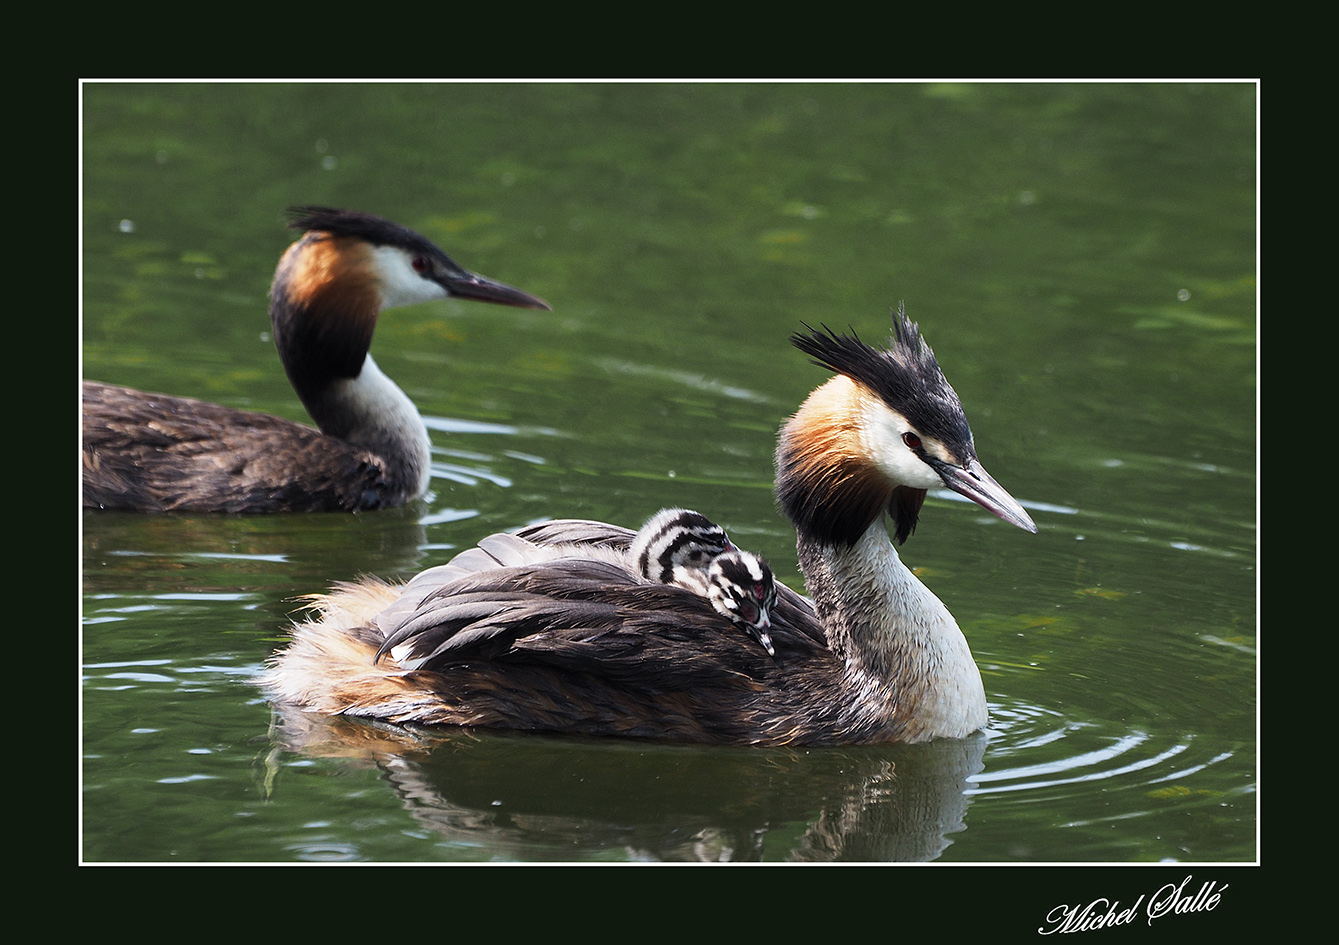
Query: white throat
{"type": "Point", "coordinates": [378, 415]}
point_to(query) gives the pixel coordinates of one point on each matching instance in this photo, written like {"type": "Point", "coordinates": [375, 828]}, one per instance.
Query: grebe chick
{"type": "Point", "coordinates": [740, 585]}
{"type": "Point", "coordinates": [154, 452]}
{"type": "Point", "coordinates": [685, 548]}
{"type": "Point", "coordinates": [568, 643]}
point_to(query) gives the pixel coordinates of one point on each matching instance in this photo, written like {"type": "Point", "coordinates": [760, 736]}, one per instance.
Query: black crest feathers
{"type": "Point", "coordinates": [906, 375]}
{"type": "Point", "coordinates": [364, 226]}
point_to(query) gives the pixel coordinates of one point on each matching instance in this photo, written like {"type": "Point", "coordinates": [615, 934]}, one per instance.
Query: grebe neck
{"type": "Point", "coordinates": [371, 411]}
{"type": "Point", "coordinates": [904, 656]}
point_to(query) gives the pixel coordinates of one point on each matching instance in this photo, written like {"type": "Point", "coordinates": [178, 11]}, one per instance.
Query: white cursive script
{"type": "Point", "coordinates": [1171, 899]}
{"type": "Point", "coordinates": [1105, 913]}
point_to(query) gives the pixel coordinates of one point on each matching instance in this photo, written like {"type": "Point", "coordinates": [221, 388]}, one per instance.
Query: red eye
{"type": "Point", "coordinates": [420, 264]}
{"type": "Point", "coordinates": [912, 440]}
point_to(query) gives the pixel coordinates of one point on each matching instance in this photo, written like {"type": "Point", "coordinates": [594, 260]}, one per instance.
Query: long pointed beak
{"type": "Point", "coordinates": [469, 285]}
{"type": "Point", "coordinates": [976, 484]}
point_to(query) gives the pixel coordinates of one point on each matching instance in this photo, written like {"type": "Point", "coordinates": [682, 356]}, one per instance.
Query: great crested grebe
{"type": "Point", "coordinates": [153, 452]}
{"type": "Point", "coordinates": [514, 634]}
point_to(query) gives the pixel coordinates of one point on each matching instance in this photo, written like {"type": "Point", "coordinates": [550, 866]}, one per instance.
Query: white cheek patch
{"type": "Point", "coordinates": [881, 435]}
{"type": "Point", "coordinates": [400, 284]}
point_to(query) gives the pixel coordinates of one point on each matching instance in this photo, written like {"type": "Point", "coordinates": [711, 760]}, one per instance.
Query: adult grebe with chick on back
{"type": "Point", "coordinates": [556, 628]}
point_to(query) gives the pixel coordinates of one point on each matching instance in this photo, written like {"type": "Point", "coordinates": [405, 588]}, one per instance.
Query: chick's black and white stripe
{"type": "Point", "coordinates": [685, 548]}
{"type": "Point", "coordinates": [675, 539]}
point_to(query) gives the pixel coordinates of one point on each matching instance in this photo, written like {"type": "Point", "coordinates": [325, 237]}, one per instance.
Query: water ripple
{"type": "Point", "coordinates": [1064, 752]}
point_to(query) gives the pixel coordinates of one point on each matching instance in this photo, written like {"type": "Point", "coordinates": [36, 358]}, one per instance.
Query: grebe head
{"type": "Point", "coordinates": [362, 252]}
{"type": "Point", "coordinates": [887, 428]}
{"type": "Point", "coordinates": [741, 587]}
{"type": "Point", "coordinates": [348, 267]}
